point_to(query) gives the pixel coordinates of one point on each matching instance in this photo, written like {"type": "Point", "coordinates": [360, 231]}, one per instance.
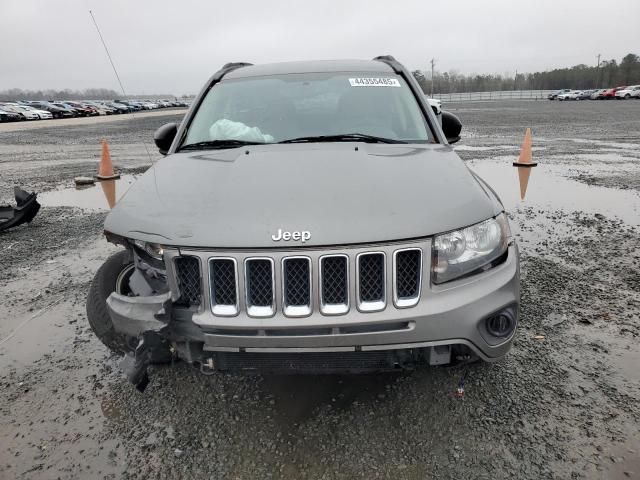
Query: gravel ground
{"type": "Point", "coordinates": [565, 403]}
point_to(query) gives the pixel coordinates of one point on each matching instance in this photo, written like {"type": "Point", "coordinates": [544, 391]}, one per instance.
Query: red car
{"type": "Point", "coordinates": [610, 93]}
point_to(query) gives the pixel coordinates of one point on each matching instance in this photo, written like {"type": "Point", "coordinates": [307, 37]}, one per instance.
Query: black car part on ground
{"type": "Point", "coordinates": [25, 210]}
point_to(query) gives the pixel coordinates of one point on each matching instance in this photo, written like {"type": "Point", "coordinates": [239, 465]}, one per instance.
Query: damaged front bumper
{"type": "Point", "coordinates": [448, 326]}
{"type": "Point", "coordinates": [133, 316]}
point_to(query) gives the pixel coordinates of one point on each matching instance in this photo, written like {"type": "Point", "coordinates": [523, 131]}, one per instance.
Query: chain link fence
{"type": "Point", "coordinates": [500, 95]}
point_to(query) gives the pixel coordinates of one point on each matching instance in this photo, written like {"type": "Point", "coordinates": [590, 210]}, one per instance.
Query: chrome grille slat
{"type": "Point", "coordinates": [334, 284]}
{"type": "Point", "coordinates": [296, 286]}
{"type": "Point", "coordinates": [189, 280]}
{"type": "Point", "coordinates": [407, 277]}
{"type": "Point", "coordinates": [223, 276]}
{"type": "Point", "coordinates": [371, 281]}
{"type": "Point", "coordinates": [260, 287]}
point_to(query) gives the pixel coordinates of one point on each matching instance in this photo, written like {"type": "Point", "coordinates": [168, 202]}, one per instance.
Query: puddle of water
{"type": "Point", "coordinates": [600, 143]}
{"type": "Point", "coordinates": [549, 190]}
{"type": "Point", "coordinates": [471, 148]}
{"type": "Point", "coordinates": [100, 196]}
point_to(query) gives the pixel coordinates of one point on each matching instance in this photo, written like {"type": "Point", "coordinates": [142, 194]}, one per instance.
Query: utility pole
{"type": "Point", "coordinates": [433, 64]}
{"type": "Point", "coordinates": [598, 73]}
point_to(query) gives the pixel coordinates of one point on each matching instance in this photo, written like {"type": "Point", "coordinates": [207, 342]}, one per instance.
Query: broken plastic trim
{"type": "Point", "coordinates": [25, 210]}
{"type": "Point", "coordinates": [135, 365]}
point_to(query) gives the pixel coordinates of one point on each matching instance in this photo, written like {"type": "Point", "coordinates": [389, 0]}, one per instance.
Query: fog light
{"type": "Point", "coordinates": [500, 325]}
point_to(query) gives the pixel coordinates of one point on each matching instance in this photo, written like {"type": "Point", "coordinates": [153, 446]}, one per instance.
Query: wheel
{"type": "Point", "coordinates": [627, 96]}
{"type": "Point", "coordinates": [113, 276]}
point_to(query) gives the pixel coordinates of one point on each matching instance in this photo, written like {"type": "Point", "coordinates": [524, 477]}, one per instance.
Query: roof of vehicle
{"type": "Point", "coordinates": [309, 67]}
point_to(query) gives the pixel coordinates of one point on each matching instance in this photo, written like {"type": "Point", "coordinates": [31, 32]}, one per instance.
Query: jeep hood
{"type": "Point", "coordinates": [343, 193]}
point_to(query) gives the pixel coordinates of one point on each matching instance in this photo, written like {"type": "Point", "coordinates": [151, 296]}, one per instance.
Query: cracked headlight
{"type": "Point", "coordinates": [469, 250]}
{"type": "Point", "coordinates": [153, 249]}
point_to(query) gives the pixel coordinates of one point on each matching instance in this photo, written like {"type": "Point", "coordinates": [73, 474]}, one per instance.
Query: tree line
{"type": "Point", "coordinates": [66, 94]}
{"type": "Point", "coordinates": [609, 73]}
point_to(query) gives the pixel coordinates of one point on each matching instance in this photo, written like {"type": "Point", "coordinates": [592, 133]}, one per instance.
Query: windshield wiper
{"type": "Point", "coordinates": [343, 137]}
{"type": "Point", "coordinates": [217, 144]}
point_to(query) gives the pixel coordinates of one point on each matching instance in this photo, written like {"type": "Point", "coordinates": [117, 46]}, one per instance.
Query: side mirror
{"type": "Point", "coordinates": [163, 137]}
{"type": "Point", "coordinates": [451, 126]}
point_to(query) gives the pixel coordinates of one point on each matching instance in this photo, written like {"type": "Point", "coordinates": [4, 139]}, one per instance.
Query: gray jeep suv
{"type": "Point", "coordinates": [308, 217]}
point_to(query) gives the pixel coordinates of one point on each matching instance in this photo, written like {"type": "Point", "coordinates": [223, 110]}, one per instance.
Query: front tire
{"type": "Point", "coordinates": [113, 276]}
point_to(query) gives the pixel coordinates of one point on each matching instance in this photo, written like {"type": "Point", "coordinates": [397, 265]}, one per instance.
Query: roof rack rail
{"type": "Point", "coordinates": [226, 68]}
{"type": "Point", "coordinates": [391, 61]}
{"type": "Point", "coordinates": [234, 65]}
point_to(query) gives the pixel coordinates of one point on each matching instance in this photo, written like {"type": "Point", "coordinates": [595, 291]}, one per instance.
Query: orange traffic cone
{"type": "Point", "coordinates": [109, 190]}
{"type": "Point", "coordinates": [525, 163]}
{"type": "Point", "coordinates": [105, 169]}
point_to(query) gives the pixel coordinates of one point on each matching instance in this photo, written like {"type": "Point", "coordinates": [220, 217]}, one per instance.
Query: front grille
{"type": "Point", "coordinates": [407, 275]}
{"type": "Point", "coordinates": [188, 275]}
{"type": "Point", "coordinates": [237, 283]}
{"type": "Point", "coordinates": [259, 278]}
{"type": "Point", "coordinates": [371, 281]}
{"type": "Point", "coordinates": [224, 294]}
{"type": "Point", "coordinates": [296, 276]}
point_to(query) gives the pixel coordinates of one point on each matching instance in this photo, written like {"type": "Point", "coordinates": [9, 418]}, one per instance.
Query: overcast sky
{"type": "Point", "coordinates": [173, 46]}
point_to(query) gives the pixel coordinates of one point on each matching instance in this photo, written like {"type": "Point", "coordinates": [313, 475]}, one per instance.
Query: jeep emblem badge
{"type": "Point", "coordinates": [303, 236]}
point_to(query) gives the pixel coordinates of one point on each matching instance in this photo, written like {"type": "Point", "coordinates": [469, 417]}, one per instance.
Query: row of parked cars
{"type": "Point", "coordinates": [619, 93]}
{"type": "Point", "coordinates": [44, 110]}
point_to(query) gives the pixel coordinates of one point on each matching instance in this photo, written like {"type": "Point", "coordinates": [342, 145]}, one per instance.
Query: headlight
{"type": "Point", "coordinates": [154, 250]}
{"type": "Point", "coordinates": [461, 252]}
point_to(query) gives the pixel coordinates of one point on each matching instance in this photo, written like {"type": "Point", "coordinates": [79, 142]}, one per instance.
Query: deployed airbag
{"type": "Point", "coordinates": [225, 129]}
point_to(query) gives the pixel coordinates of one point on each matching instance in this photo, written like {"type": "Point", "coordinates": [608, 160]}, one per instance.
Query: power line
{"type": "Point", "coordinates": [117, 76]}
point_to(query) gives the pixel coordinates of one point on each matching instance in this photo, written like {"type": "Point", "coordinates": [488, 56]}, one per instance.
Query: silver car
{"type": "Point", "coordinates": [308, 217]}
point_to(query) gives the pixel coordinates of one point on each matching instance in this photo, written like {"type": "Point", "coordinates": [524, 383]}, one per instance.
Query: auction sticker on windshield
{"type": "Point", "coordinates": [374, 82]}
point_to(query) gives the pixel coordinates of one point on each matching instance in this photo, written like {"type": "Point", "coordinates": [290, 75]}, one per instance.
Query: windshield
{"type": "Point", "coordinates": [277, 108]}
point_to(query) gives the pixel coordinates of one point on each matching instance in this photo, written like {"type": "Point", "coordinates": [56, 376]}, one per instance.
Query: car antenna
{"type": "Point", "coordinates": [106, 49]}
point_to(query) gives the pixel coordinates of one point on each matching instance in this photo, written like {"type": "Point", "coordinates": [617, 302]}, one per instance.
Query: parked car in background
{"type": "Point", "coordinates": [570, 95]}
{"type": "Point", "coordinates": [56, 111]}
{"type": "Point", "coordinates": [608, 94]}
{"type": "Point", "coordinates": [84, 108]}
{"type": "Point", "coordinates": [99, 108]}
{"type": "Point", "coordinates": [15, 108]}
{"type": "Point", "coordinates": [632, 91]}
{"type": "Point", "coordinates": [554, 95]}
{"type": "Point", "coordinates": [585, 95]}
{"type": "Point", "coordinates": [120, 107]}
{"type": "Point", "coordinates": [42, 114]}
{"type": "Point", "coordinates": [436, 105]}
{"type": "Point", "coordinates": [147, 105]}
{"type": "Point", "coordinates": [595, 94]}
{"type": "Point", "coordinates": [74, 111]}
{"type": "Point", "coordinates": [7, 116]}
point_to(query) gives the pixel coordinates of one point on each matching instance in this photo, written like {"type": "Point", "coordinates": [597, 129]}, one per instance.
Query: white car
{"type": "Point", "coordinates": [435, 104]}
{"type": "Point", "coordinates": [42, 114]}
{"type": "Point", "coordinates": [15, 108]}
{"type": "Point", "coordinates": [571, 95]}
{"type": "Point", "coordinates": [632, 91]}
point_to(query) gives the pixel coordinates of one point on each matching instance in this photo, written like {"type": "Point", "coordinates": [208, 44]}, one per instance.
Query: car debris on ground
{"type": "Point", "coordinates": [25, 210]}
